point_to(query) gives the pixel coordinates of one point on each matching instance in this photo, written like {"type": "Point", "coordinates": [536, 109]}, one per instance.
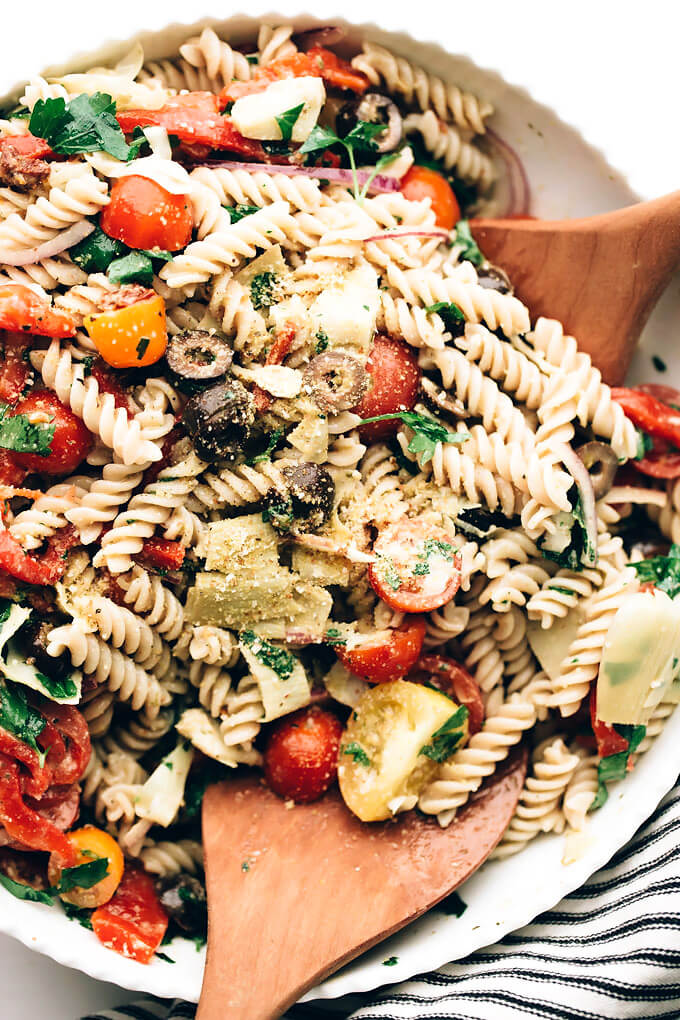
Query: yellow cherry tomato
{"type": "Point", "coordinates": [91, 844]}
{"type": "Point", "coordinates": [130, 337]}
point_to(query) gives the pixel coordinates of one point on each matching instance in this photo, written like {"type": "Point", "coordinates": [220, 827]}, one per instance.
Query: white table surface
{"type": "Point", "coordinates": [608, 64]}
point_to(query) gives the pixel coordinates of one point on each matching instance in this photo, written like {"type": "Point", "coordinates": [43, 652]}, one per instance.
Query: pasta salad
{"type": "Point", "coordinates": [292, 481]}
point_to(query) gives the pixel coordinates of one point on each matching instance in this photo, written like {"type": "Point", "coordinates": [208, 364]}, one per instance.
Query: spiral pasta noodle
{"type": "Point", "coordinates": [445, 143]}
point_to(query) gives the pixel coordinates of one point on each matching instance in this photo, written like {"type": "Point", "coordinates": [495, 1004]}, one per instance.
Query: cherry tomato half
{"type": "Point", "coordinates": [71, 442]}
{"type": "Point", "coordinates": [22, 310]}
{"type": "Point", "coordinates": [389, 656]}
{"type": "Point", "coordinates": [301, 754]}
{"type": "Point", "coordinates": [14, 368]}
{"type": "Point", "coordinates": [649, 413]}
{"type": "Point", "coordinates": [133, 922]}
{"type": "Point", "coordinates": [449, 676]}
{"type": "Point", "coordinates": [142, 214]}
{"type": "Point", "coordinates": [416, 568]}
{"type": "Point", "coordinates": [420, 182]}
{"type": "Point", "coordinates": [395, 377]}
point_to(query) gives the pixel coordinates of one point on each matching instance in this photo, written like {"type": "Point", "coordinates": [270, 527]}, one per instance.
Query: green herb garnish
{"type": "Point", "coordinates": [83, 876]}
{"type": "Point", "coordinates": [360, 140]}
{"type": "Point", "coordinates": [453, 904]}
{"type": "Point", "coordinates": [272, 443]}
{"type": "Point", "coordinates": [263, 290]}
{"type": "Point", "coordinates": [321, 342]}
{"type": "Point", "coordinates": [451, 315]}
{"type": "Point", "coordinates": [662, 571]}
{"type": "Point", "coordinates": [357, 752]}
{"type": "Point", "coordinates": [133, 268]}
{"type": "Point", "coordinates": [288, 120]}
{"type": "Point", "coordinates": [391, 961]}
{"type": "Point", "coordinates": [164, 957]}
{"type": "Point", "coordinates": [427, 432]}
{"type": "Point", "coordinates": [645, 444]}
{"type": "Point", "coordinates": [24, 892]}
{"type": "Point", "coordinates": [17, 716]}
{"type": "Point", "coordinates": [97, 251]}
{"type": "Point", "coordinates": [142, 347]}
{"type": "Point", "coordinates": [447, 738]}
{"type": "Point", "coordinates": [469, 250]}
{"type": "Point", "coordinates": [19, 434]}
{"type": "Point", "coordinates": [277, 659]}
{"type": "Point", "coordinates": [86, 124]}
{"type": "Point", "coordinates": [614, 767]}
{"type": "Point", "coordinates": [237, 212]}
{"type": "Point", "coordinates": [333, 637]}
{"type": "Point", "coordinates": [659, 364]}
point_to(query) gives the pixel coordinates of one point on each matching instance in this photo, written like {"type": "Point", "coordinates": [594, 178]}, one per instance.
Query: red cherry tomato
{"type": "Point", "coordinates": [22, 310]}
{"type": "Point", "coordinates": [608, 740]}
{"type": "Point", "coordinates": [449, 676]}
{"type": "Point", "coordinates": [649, 413]}
{"type": "Point", "coordinates": [133, 922]}
{"type": "Point", "coordinates": [71, 442]}
{"type": "Point", "coordinates": [142, 214]}
{"type": "Point", "coordinates": [666, 394]}
{"type": "Point", "coordinates": [395, 378]}
{"type": "Point", "coordinates": [416, 567]}
{"type": "Point", "coordinates": [390, 656]}
{"type": "Point", "coordinates": [420, 182]}
{"type": "Point", "coordinates": [301, 755]}
{"type": "Point", "coordinates": [662, 461]}
{"type": "Point", "coordinates": [44, 569]}
{"type": "Point", "coordinates": [14, 368]}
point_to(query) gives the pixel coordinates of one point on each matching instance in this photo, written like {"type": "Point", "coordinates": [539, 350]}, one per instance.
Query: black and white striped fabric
{"type": "Point", "coordinates": [609, 951]}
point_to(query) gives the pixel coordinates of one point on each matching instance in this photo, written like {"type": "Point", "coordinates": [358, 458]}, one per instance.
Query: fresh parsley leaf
{"type": "Point", "coordinates": [451, 315]}
{"type": "Point", "coordinates": [391, 961]}
{"type": "Point", "coordinates": [79, 914]}
{"type": "Point", "coordinates": [24, 892]}
{"type": "Point", "coordinates": [237, 212]}
{"type": "Point", "coordinates": [288, 120]}
{"type": "Point", "coordinates": [662, 571]}
{"type": "Point", "coordinates": [58, 689]}
{"type": "Point", "coordinates": [133, 268]}
{"type": "Point", "coordinates": [362, 136]}
{"type": "Point", "coordinates": [86, 124]}
{"type": "Point", "coordinates": [359, 141]}
{"type": "Point", "coordinates": [19, 434]}
{"type": "Point", "coordinates": [319, 138]}
{"type": "Point", "coordinates": [446, 739]}
{"type": "Point", "coordinates": [453, 904]}
{"type": "Point", "coordinates": [427, 432]}
{"type": "Point", "coordinates": [384, 161]}
{"type": "Point", "coordinates": [272, 443]}
{"type": "Point", "coordinates": [469, 250]}
{"type": "Point", "coordinates": [614, 767]}
{"type": "Point", "coordinates": [17, 716]}
{"type": "Point", "coordinates": [580, 549]}
{"type": "Point", "coordinates": [164, 957]}
{"type": "Point", "coordinates": [96, 253]}
{"type": "Point", "coordinates": [357, 752]}
{"type": "Point", "coordinates": [278, 659]}
{"type": "Point", "coordinates": [321, 342]}
{"type": "Point", "coordinates": [83, 876]}
{"type": "Point", "coordinates": [263, 288]}
{"type": "Point", "coordinates": [645, 444]}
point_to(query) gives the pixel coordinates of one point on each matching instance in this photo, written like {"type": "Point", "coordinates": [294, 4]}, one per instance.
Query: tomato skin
{"type": "Point", "coordinates": [133, 336]}
{"type": "Point", "coordinates": [421, 182]}
{"type": "Point", "coordinates": [608, 740]}
{"type": "Point", "coordinates": [395, 379]}
{"type": "Point", "coordinates": [392, 658]}
{"type": "Point", "coordinates": [301, 754]}
{"type": "Point", "coordinates": [666, 394]}
{"type": "Point", "coordinates": [162, 553]}
{"type": "Point", "coordinates": [402, 553]}
{"type": "Point", "coordinates": [22, 310]}
{"type": "Point", "coordinates": [142, 214]}
{"type": "Point", "coordinates": [133, 922]}
{"type": "Point", "coordinates": [90, 843]}
{"type": "Point", "coordinates": [46, 569]}
{"type": "Point", "coordinates": [71, 442]}
{"type": "Point", "coordinates": [14, 369]}
{"type": "Point", "coordinates": [650, 414]}
{"type": "Point", "coordinates": [449, 676]}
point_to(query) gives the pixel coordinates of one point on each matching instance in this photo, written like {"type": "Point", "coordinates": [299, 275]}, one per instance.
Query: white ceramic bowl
{"type": "Point", "coordinates": [569, 177]}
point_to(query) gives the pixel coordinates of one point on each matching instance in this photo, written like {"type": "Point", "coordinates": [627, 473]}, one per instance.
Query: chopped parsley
{"type": "Point", "coordinates": [263, 290]}
{"type": "Point", "coordinates": [659, 364]}
{"type": "Point", "coordinates": [614, 766]}
{"type": "Point", "coordinates": [237, 212]}
{"type": "Point", "coordinates": [451, 315]}
{"type": "Point", "coordinates": [464, 239]}
{"type": "Point", "coordinates": [391, 961]}
{"type": "Point", "coordinates": [560, 589]}
{"type": "Point", "coordinates": [288, 120]}
{"type": "Point", "coordinates": [17, 716]}
{"type": "Point", "coordinates": [266, 454]}
{"type": "Point", "coordinates": [427, 432]}
{"type": "Point", "coordinates": [662, 571]}
{"type": "Point", "coordinates": [334, 638]}
{"type": "Point", "coordinates": [276, 659]}
{"type": "Point", "coordinates": [19, 434]}
{"type": "Point", "coordinates": [279, 512]}
{"type": "Point", "coordinates": [83, 876]}
{"type": "Point", "coordinates": [447, 738]}
{"type": "Point", "coordinates": [357, 753]}
{"type": "Point", "coordinates": [142, 347]}
{"type": "Point", "coordinates": [321, 342]}
{"type": "Point", "coordinates": [85, 124]}
{"type": "Point", "coordinates": [79, 914]}
{"type": "Point", "coordinates": [390, 573]}
{"type": "Point", "coordinates": [431, 547]}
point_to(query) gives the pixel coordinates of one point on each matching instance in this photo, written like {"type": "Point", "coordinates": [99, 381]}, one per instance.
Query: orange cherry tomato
{"type": "Point", "coordinates": [22, 310]}
{"type": "Point", "coordinates": [130, 337]}
{"type": "Point", "coordinates": [449, 676]}
{"type": "Point", "coordinates": [301, 754]}
{"type": "Point", "coordinates": [71, 441]}
{"type": "Point", "coordinates": [388, 656]}
{"type": "Point", "coordinates": [421, 182]}
{"type": "Point", "coordinates": [416, 568]}
{"type": "Point", "coordinates": [90, 843]}
{"type": "Point", "coordinates": [142, 214]}
{"type": "Point", "coordinates": [133, 922]}
{"type": "Point", "coordinates": [395, 377]}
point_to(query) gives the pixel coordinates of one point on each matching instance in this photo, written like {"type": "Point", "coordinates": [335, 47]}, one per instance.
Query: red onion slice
{"type": "Point", "coordinates": [386, 235]}
{"type": "Point", "coordinates": [381, 183]}
{"type": "Point", "coordinates": [62, 242]}
{"type": "Point", "coordinates": [519, 198]}
{"type": "Point", "coordinates": [329, 35]}
{"type": "Point", "coordinates": [579, 472]}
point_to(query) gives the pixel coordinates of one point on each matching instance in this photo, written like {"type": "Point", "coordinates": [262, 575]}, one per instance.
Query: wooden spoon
{"type": "Point", "coordinates": [599, 276]}
{"type": "Point", "coordinates": [296, 892]}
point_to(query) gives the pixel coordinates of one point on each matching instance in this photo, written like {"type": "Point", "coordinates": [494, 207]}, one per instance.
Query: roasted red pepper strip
{"type": "Point", "coordinates": [22, 822]}
{"type": "Point", "coordinates": [48, 568]}
{"type": "Point", "coordinates": [28, 145]}
{"type": "Point", "coordinates": [195, 118]}
{"type": "Point", "coordinates": [316, 63]}
{"type": "Point", "coordinates": [162, 553]}
{"type": "Point", "coordinates": [608, 740]}
{"type": "Point", "coordinates": [648, 413]}
{"type": "Point", "coordinates": [73, 759]}
{"type": "Point", "coordinates": [133, 922]}
{"type": "Point", "coordinates": [21, 309]}
{"type": "Point", "coordinates": [281, 346]}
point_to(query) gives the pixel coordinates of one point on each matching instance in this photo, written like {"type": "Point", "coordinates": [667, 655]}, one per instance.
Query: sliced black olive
{"type": "Point", "coordinates": [197, 358]}
{"type": "Point", "coordinates": [373, 108]}
{"type": "Point", "coordinates": [220, 419]}
{"type": "Point", "coordinates": [475, 520]}
{"type": "Point", "coordinates": [439, 401]}
{"type": "Point", "coordinates": [34, 638]}
{"type": "Point", "coordinates": [335, 380]}
{"type": "Point", "coordinates": [602, 466]}
{"type": "Point", "coordinates": [184, 900]}
{"type": "Point", "coordinates": [307, 501]}
{"type": "Point", "coordinates": [493, 278]}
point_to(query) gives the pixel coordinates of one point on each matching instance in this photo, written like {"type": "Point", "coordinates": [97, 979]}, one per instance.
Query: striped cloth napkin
{"type": "Point", "coordinates": [610, 950]}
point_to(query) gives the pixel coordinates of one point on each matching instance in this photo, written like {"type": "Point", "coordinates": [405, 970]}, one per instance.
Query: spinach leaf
{"type": "Point", "coordinates": [133, 268]}
{"type": "Point", "coordinates": [96, 253]}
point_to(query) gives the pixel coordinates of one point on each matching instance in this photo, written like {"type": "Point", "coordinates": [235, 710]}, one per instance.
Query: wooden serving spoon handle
{"type": "Point", "coordinates": [599, 276]}
{"type": "Point", "coordinates": [295, 893]}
